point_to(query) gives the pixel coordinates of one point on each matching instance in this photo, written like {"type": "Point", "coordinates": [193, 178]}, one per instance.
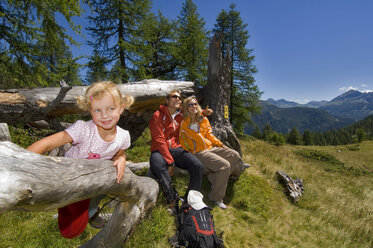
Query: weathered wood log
{"type": "Point", "coordinates": [27, 105]}
{"type": "Point", "coordinates": [216, 94]}
{"type": "Point", "coordinates": [294, 188]}
{"type": "Point", "coordinates": [32, 182]}
{"type": "Point", "coordinates": [4, 132]}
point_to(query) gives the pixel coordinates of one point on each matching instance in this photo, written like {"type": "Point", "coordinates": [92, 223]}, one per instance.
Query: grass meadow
{"type": "Point", "coordinates": [336, 209]}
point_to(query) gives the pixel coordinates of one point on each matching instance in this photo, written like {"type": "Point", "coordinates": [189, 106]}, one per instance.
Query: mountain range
{"type": "Point", "coordinates": [317, 116]}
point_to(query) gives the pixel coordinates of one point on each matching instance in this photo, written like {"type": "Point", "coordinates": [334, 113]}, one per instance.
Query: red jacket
{"type": "Point", "coordinates": [165, 132]}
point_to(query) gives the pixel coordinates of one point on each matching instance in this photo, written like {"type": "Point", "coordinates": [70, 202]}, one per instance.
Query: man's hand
{"type": "Point", "coordinates": [171, 170]}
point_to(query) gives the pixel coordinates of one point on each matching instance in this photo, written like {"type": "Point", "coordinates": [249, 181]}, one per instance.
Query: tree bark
{"type": "Point", "coordinates": [32, 182]}
{"type": "Point", "coordinates": [216, 94]}
{"type": "Point", "coordinates": [4, 132]}
{"type": "Point", "coordinates": [31, 105]}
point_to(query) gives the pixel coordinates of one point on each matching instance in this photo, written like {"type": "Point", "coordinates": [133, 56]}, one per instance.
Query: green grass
{"type": "Point", "coordinates": [336, 209]}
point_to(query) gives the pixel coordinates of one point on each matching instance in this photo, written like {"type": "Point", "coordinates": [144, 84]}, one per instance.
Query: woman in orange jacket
{"type": "Point", "coordinates": [218, 160]}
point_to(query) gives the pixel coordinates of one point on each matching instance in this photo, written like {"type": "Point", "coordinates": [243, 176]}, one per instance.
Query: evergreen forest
{"type": "Point", "coordinates": [130, 43]}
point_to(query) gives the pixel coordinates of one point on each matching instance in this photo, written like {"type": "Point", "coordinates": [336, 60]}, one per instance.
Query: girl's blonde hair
{"type": "Point", "coordinates": [199, 115]}
{"type": "Point", "coordinates": [98, 90]}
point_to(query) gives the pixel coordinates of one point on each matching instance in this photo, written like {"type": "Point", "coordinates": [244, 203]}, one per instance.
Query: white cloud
{"type": "Point", "coordinates": [344, 89]}
{"type": "Point", "coordinates": [301, 101]}
{"type": "Point", "coordinates": [348, 88]}
{"type": "Point", "coordinates": [367, 91]}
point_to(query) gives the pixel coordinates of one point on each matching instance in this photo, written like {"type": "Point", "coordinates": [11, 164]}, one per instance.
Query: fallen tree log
{"type": "Point", "coordinates": [32, 182]}
{"type": "Point", "coordinates": [148, 94]}
{"type": "Point", "coordinates": [30, 105]}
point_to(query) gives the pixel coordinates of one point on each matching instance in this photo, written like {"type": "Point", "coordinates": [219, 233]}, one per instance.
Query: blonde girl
{"type": "Point", "coordinates": [99, 138]}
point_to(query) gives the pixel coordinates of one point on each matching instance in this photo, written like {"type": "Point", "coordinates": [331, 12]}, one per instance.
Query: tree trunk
{"type": "Point", "coordinates": [216, 94]}
{"type": "Point", "coordinates": [32, 182]}
{"type": "Point", "coordinates": [30, 105]}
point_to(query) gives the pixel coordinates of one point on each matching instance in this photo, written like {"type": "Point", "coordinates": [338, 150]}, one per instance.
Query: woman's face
{"type": "Point", "coordinates": [193, 107]}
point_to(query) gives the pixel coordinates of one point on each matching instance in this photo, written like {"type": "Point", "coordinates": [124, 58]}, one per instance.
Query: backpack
{"type": "Point", "coordinates": [196, 228]}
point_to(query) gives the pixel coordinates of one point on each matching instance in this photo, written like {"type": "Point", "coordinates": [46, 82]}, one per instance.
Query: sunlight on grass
{"type": "Point", "coordinates": [335, 210]}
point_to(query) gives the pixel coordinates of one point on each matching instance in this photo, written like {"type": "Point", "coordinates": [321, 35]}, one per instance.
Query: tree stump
{"type": "Point", "coordinates": [216, 94]}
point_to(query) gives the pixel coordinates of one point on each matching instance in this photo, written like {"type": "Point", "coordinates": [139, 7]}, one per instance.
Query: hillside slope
{"type": "Point", "coordinates": [282, 120]}
{"type": "Point", "coordinates": [352, 104]}
{"type": "Point", "coordinates": [335, 210]}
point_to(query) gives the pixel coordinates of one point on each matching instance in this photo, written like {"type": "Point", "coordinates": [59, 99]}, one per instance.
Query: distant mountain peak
{"type": "Point", "coordinates": [348, 95]}
{"type": "Point", "coordinates": [282, 103]}
{"type": "Point", "coordinates": [351, 104]}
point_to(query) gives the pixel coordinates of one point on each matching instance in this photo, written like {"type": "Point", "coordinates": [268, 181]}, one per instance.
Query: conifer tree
{"type": "Point", "coordinates": [97, 70]}
{"type": "Point", "coordinates": [307, 140]}
{"type": "Point", "coordinates": [158, 52]}
{"type": "Point", "coordinates": [360, 133]}
{"type": "Point", "coordinates": [244, 93]}
{"type": "Point", "coordinates": [294, 138]}
{"type": "Point", "coordinates": [257, 133]}
{"type": "Point", "coordinates": [24, 26]}
{"type": "Point", "coordinates": [116, 27]}
{"type": "Point", "coordinates": [191, 45]}
{"type": "Point", "coordinates": [267, 131]}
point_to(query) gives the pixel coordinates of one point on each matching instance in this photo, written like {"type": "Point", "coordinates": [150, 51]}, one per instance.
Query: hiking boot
{"type": "Point", "coordinates": [96, 221]}
{"type": "Point", "coordinates": [220, 204]}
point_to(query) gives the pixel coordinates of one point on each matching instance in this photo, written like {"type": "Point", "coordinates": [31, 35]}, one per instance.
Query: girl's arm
{"type": "Point", "coordinates": [120, 164]}
{"type": "Point", "coordinates": [51, 142]}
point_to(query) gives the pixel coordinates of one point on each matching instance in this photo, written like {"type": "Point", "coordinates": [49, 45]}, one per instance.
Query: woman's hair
{"type": "Point", "coordinates": [98, 90]}
{"type": "Point", "coordinates": [199, 115]}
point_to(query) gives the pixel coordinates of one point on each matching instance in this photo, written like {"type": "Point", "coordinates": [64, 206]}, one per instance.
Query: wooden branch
{"type": "Point", "coordinates": [4, 132]}
{"type": "Point", "coordinates": [32, 182]}
{"type": "Point", "coordinates": [294, 188]}
{"type": "Point", "coordinates": [61, 95]}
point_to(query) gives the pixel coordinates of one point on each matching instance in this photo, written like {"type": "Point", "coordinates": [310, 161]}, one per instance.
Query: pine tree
{"type": "Point", "coordinates": [192, 45]}
{"type": "Point", "coordinates": [360, 133]}
{"type": "Point", "coordinates": [25, 25]}
{"type": "Point", "coordinates": [257, 133]}
{"type": "Point", "coordinates": [267, 131]}
{"type": "Point", "coordinates": [158, 52]}
{"type": "Point", "coordinates": [307, 140]}
{"type": "Point", "coordinates": [244, 93]}
{"type": "Point", "coordinates": [97, 70]}
{"type": "Point", "coordinates": [116, 26]}
{"type": "Point", "coordinates": [294, 138]}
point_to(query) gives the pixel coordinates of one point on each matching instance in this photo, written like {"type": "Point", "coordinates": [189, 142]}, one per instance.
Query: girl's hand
{"type": "Point", "coordinates": [120, 164]}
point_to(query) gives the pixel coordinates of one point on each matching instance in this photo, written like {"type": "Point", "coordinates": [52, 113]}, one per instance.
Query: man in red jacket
{"type": "Point", "coordinates": [166, 151]}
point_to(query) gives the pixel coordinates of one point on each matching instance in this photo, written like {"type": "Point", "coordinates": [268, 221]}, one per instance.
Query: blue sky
{"type": "Point", "coordinates": [304, 49]}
